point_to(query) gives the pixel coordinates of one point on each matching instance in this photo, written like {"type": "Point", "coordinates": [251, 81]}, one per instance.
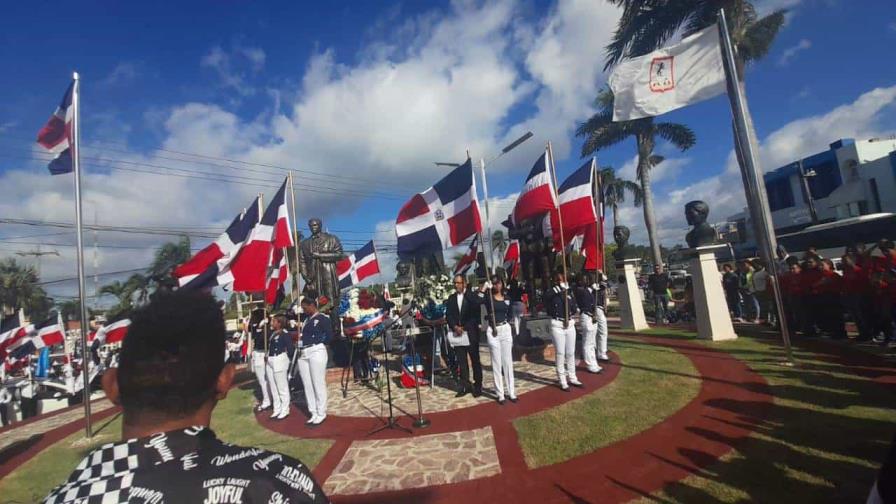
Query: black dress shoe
{"type": "Point", "coordinates": [513, 399]}
{"type": "Point", "coordinates": [477, 391]}
{"type": "Point", "coordinates": [501, 402]}
{"type": "Point", "coordinates": [461, 393]}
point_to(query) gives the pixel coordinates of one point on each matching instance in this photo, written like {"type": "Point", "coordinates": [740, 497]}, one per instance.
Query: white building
{"type": "Point", "coordinates": [847, 181]}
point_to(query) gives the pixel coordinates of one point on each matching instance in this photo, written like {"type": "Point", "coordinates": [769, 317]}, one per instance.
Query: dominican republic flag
{"type": "Point", "coordinates": [440, 217]}
{"type": "Point", "coordinates": [537, 196]}
{"type": "Point", "coordinates": [512, 259]}
{"type": "Point", "coordinates": [56, 135]}
{"type": "Point", "coordinates": [378, 317]}
{"type": "Point", "coordinates": [274, 292]}
{"type": "Point", "coordinates": [577, 209]}
{"type": "Point", "coordinates": [594, 235]}
{"type": "Point", "coordinates": [201, 271]}
{"type": "Point", "coordinates": [113, 333]}
{"type": "Point", "coordinates": [358, 266]}
{"type": "Point", "coordinates": [46, 334]}
{"type": "Point", "coordinates": [248, 272]}
{"type": "Point", "coordinates": [466, 261]}
{"type": "Point", "coordinates": [12, 337]}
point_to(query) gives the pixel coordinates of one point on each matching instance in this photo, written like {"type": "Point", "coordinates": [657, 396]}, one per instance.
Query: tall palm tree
{"type": "Point", "coordinates": [139, 286]}
{"type": "Point", "coordinates": [166, 258]}
{"type": "Point", "coordinates": [600, 132]}
{"type": "Point", "coordinates": [615, 188]}
{"type": "Point", "coordinates": [19, 289]}
{"type": "Point", "coordinates": [123, 292]}
{"type": "Point", "coordinates": [646, 25]}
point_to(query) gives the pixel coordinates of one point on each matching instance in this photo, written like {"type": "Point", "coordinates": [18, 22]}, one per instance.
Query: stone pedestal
{"type": "Point", "coordinates": [631, 309]}
{"type": "Point", "coordinates": [713, 320]}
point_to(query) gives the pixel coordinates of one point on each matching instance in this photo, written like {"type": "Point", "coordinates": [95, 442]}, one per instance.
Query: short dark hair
{"type": "Point", "coordinates": [172, 355]}
{"type": "Point", "coordinates": [309, 300]}
{"type": "Point", "coordinates": [281, 318]}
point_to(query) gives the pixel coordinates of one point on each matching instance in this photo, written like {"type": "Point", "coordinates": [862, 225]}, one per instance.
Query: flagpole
{"type": "Point", "coordinates": [562, 238]}
{"type": "Point", "coordinates": [76, 164]}
{"type": "Point", "coordinates": [295, 226]}
{"type": "Point", "coordinates": [754, 184]}
{"type": "Point", "coordinates": [488, 269]}
{"type": "Point", "coordinates": [488, 225]}
{"type": "Point", "coordinates": [595, 188]}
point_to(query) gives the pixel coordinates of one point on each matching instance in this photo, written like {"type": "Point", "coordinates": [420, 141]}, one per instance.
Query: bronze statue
{"type": "Point", "coordinates": [320, 253]}
{"type": "Point", "coordinates": [621, 235]}
{"type": "Point", "coordinates": [696, 213]}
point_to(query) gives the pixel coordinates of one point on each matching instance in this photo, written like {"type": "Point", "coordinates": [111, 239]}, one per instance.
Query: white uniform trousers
{"type": "Point", "coordinates": [601, 323]}
{"type": "Point", "coordinates": [278, 366]}
{"type": "Point", "coordinates": [313, 370]}
{"type": "Point", "coordinates": [258, 366]}
{"type": "Point", "coordinates": [565, 347]}
{"type": "Point", "coordinates": [589, 341]}
{"type": "Point", "coordinates": [500, 348]}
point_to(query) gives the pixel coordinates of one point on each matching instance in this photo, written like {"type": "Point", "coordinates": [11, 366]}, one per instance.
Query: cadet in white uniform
{"type": "Point", "coordinates": [500, 338]}
{"type": "Point", "coordinates": [279, 348]}
{"type": "Point", "coordinates": [593, 321]}
{"type": "Point", "coordinates": [259, 357]}
{"type": "Point", "coordinates": [563, 309]}
{"type": "Point", "coordinates": [316, 332]}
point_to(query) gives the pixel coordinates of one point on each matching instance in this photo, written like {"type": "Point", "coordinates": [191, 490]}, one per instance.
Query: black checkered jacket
{"type": "Point", "coordinates": [190, 465]}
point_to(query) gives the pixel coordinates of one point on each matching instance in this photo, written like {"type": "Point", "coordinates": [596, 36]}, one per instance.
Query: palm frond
{"type": "Point", "coordinates": [678, 135]}
{"type": "Point", "coordinates": [655, 159]}
{"type": "Point", "coordinates": [758, 37]}
{"type": "Point", "coordinates": [646, 25]}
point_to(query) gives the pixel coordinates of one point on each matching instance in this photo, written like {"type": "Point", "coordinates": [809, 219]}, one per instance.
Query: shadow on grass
{"type": "Point", "coordinates": [20, 447]}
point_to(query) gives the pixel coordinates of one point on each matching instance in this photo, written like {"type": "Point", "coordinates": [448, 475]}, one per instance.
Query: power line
{"type": "Point", "coordinates": [108, 273]}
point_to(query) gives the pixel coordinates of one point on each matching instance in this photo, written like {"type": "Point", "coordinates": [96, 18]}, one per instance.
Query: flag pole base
{"type": "Point", "coordinates": [421, 423]}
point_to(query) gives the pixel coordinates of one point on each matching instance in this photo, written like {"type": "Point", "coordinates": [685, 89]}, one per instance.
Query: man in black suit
{"type": "Point", "coordinates": [463, 315]}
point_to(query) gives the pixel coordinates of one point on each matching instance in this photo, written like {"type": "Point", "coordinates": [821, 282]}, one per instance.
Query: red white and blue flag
{"type": "Point", "coordinates": [12, 337]}
{"type": "Point", "coordinates": [248, 272]}
{"type": "Point", "coordinates": [113, 333]}
{"type": "Point", "coordinates": [468, 259]}
{"type": "Point", "coordinates": [56, 135]}
{"type": "Point", "coordinates": [537, 196]}
{"type": "Point", "coordinates": [440, 217]}
{"type": "Point", "coordinates": [594, 235]}
{"type": "Point", "coordinates": [358, 266]}
{"type": "Point", "coordinates": [512, 259]}
{"type": "Point", "coordinates": [274, 292]}
{"type": "Point", "coordinates": [576, 208]}
{"type": "Point", "coordinates": [50, 332]}
{"type": "Point", "coordinates": [201, 271]}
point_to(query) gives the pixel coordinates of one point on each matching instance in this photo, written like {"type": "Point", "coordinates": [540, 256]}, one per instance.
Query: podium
{"type": "Point", "coordinates": [631, 309]}
{"type": "Point", "coordinates": [713, 319]}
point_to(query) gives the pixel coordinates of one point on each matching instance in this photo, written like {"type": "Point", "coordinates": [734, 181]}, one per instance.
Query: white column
{"type": "Point", "coordinates": [713, 319]}
{"type": "Point", "coordinates": [631, 309]}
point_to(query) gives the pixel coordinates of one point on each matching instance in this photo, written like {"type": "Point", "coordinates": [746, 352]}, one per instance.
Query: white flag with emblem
{"type": "Point", "coordinates": [669, 78]}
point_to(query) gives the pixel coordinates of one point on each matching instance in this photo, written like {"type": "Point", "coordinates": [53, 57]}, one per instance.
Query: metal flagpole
{"type": "Point", "coordinates": [488, 270]}
{"type": "Point", "coordinates": [295, 225]}
{"type": "Point", "coordinates": [488, 225]}
{"type": "Point", "coordinates": [754, 186]}
{"type": "Point", "coordinates": [595, 195]}
{"type": "Point", "coordinates": [82, 292]}
{"type": "Point", "coordinates": [562, 238]}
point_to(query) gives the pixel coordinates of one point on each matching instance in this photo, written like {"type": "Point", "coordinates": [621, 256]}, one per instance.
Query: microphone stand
{"type": "Point", "coordinates": [392, 422]}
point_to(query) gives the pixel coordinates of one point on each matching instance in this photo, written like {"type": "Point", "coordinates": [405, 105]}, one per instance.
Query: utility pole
{"type": "Point", "coordinates": [37, 254]}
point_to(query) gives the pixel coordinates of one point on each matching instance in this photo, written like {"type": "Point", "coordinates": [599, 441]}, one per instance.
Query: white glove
{"type": "Point", "coordinates": [564, 285]}
{"type": "Point", "coordinates": [487, 285]}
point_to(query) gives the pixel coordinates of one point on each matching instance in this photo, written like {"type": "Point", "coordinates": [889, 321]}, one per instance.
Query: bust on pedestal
{"type": "Point", "coordinates": [713, 320]}
{"type": "Point", "coordinates": [631, 310]}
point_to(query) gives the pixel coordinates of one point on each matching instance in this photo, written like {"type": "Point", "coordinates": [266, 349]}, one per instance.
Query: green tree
{"type": "Point", "coordinates": [600, 132]}
{"type": "Point", "coordinates": [123, 292]}
{"type": "Point", "coordinates": [19, 289]}
{"type": "Point", "coordinates": [167, 257]}
{"type": "Point", "coordinates": [646, 25]}
{"type": "Point", "coordinates": [615, 189]}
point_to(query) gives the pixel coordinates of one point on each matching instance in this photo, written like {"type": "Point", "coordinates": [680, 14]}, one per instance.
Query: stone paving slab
{"type": "Point", "coordinates": [44, 425]}
{"type": "Point", "coordinates": [398, 464]}
{"type": "Point", "coordinates": [366, 401]}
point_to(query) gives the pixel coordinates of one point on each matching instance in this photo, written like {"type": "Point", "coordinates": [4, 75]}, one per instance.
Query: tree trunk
{"type": "Point", "coordinates": [645, 149]}
{"type": "Point", "coordinates": [615, 215]}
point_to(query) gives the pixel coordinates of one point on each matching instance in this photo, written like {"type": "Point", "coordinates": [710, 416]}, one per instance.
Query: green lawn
{"type": "Point", "coordinates": [822, 441]}
{"type": "Point", "coordinates": [654, 383]}
{"type": "Point", "coordinates": [233, 421]}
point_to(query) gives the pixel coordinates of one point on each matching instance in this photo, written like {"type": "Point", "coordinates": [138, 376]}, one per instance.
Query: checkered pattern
{"type": "Point", "coordinates": [103, 476]}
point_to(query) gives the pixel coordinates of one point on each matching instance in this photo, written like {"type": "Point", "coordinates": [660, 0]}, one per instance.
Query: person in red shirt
{"type": "Point", "coordinates": [857, 295]}
{"type": "Point", "coordinates": [792, 291]}
{"type": "Point", "coordinates": [829, 289]}
{"type": "Point", "coordinates": [883, 287]}
{"type": "Point", "coordinates": [810, 281]}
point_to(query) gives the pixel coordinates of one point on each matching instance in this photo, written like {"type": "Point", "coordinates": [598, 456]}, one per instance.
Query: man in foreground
{"type": "Point", "coordinates": [170, 376]}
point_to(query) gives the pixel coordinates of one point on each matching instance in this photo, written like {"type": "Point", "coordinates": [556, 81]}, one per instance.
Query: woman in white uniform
{"type": "Point", "coordinates": [563, 310]}
{"type": "Point", "coordinates": [500, 338]}
{"type": "Point", "coordinates": [316, 332]}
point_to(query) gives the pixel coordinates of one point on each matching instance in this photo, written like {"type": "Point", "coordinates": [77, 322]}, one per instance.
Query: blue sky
{"type": "Point", "coordinates": [368, 94]}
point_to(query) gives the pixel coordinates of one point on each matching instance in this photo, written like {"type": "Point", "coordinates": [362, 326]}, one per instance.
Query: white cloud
{"type": "Point", "coordinates": [230, 66]}
{"type": "Point", "coordinates": [791, 52]}
{"type": "Point", "coordinates": [123, 73]}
